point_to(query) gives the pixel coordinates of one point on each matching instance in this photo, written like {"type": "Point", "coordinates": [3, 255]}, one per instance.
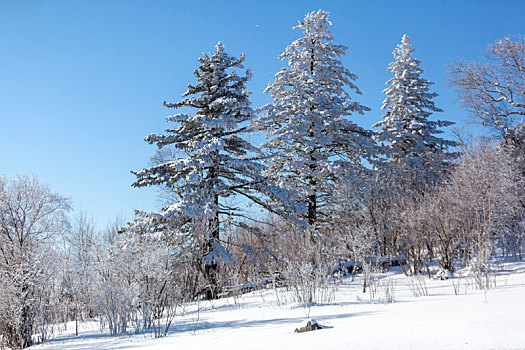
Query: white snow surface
{"type": "Point", "coordinates": [267, 319]}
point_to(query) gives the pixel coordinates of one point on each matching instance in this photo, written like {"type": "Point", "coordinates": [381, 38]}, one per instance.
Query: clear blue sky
{"type": "Point", "coordinates": [82, 82]}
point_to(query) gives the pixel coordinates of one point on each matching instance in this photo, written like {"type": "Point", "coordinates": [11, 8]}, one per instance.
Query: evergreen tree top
{"type": "Point", "coordinates": [316, 31]}
{"type": "Point", "coordinates": [407, 82]}
{"type": "Point", "coordinates": [314, 61]}
{"type": "Point", "coordinates": [219, 94]}
{"type": "Point", "coordinates": [406, 130]}
{"type": "Point", "coordinates": [404, 50]}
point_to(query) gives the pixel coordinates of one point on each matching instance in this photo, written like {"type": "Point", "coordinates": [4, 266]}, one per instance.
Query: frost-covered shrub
{"type": "Point", "coordinates": [31, 217]}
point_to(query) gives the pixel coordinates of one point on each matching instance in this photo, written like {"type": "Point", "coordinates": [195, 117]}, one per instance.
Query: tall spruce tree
{"type": "Point", "coordinates": [406, 134]}
{"type": "Point", "coordinates": [215, 161]}
{"type": "Point", "coordinates": [312, 146]}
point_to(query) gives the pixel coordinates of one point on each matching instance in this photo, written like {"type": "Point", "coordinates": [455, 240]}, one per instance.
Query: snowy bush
{"type": "Point", "coordinates": [31, 217]}
{"type": "Point", "coordinates": [418, 286]}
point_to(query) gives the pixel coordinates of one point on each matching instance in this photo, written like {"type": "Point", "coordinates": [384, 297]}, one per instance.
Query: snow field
{"type": "Point", "coordinates": [472, 319]}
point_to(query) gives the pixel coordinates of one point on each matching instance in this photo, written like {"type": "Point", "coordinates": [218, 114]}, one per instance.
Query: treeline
{"type": "Point", "coordinates": [335, 195]}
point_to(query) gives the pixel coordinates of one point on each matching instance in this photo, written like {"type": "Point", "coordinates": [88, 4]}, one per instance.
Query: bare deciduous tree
{"type": "Point", "coordinates": [493, 91]}
{"type": "Point", "coordinates": [30, 217]}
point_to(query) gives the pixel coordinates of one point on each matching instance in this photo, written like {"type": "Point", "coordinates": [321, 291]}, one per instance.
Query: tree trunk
{"type": "Point", "coordinates": [312, 209]}
{"type": "Point", "coordinates": [211, 267]}
{"type": "Point", "coordinates": [26, 327]}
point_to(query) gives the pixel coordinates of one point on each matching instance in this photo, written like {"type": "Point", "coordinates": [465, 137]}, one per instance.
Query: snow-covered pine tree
{"type": "Point", "coordinates": [407, 136]}
{"type": "Point", "coordinates": [312, 146]}
{"type": "Point", "coordinates": [215, 161]}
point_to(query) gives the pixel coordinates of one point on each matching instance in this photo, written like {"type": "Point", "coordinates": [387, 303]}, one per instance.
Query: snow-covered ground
{"type": "Point", "coordinates": [472, 319]}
